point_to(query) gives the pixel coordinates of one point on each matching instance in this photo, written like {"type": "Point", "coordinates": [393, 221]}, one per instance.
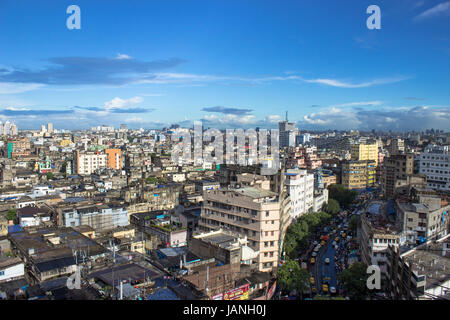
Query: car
{"type": "Point", "coordinates": [326, 279]}
{"type": "Point", "coordinates": [312, 261]}
{"type": "Point", "coordinates": [327, 260]}
{"type": "Point", "coordinates": [313, 289]}
{"type": "Point", "coordinates": [343, 235]}
{"type": "Point", "coordinates": [333, 243]}
{"type": "Point", "coordinates": [336, 239]}
{"type": "Point", "coordinates": [312, 280]}
{"type": "Point", "coordinates": [325, 288]}
{"type": "Point", "coordinates": [315, 243]}
{"type": "Point", "coordinates": [322, 243]}
{"type": "Point", "coordinates": [314, 254]}
{"type": "Point", "coordinates": [321, 237]}
{"type": "Point", "coordinates": [332, 290]}
{"type": "Point", "coordinates": [317, 248]}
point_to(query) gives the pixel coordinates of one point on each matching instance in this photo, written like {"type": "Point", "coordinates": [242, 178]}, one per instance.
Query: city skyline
{"type": "Point", "coordinates": [229, 64]}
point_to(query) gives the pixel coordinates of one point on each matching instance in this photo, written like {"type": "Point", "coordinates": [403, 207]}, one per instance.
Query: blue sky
{"type": "Point", "coordinates": [229, 63]}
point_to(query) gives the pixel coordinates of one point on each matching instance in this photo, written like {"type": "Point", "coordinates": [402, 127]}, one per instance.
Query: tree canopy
{"type": "Point", "coordinates": [354, 281]}
{"type": "Point", "coordinates": [332, 207]}
{"type": "Point", "coordinates": [291, 276]}
{"type": "Point", "coordinates": [11, 214]}
{"type": "Point", "coordinates": [344, 196]}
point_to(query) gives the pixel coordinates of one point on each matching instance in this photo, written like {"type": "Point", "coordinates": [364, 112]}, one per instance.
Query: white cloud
{"type": "Point", "coordinates": [359, 104]}
{"type": "Point", "coordinates": [121, 56]}
{"type": "Point", "coordinates": [118, 103]}
{"type": "Point", "coordinates": [342, 84]}
{"type": "Point", "coordinates": [442, 8]}
{"type": "Point", "coordinates": [11, 88]}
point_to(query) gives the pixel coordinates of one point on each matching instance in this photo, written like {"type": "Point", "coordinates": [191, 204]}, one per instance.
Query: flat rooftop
{"type": "Point", "coordinates": [220, 239]}
{"type": "Point", "coordinates": [69, 239]}
{"type": "Point", "coordinates": [428, 260]}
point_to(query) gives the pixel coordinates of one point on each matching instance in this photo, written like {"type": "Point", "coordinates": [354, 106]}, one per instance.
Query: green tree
{"type": "Point", "coordinates": [291, 276]}
{"type": "Point", "coordinates": [353, 223]}
{"type": "Point", "coordinates": [49, 176]}
{"type": "Point", "coordinates": [354, 281]}
{"type": "Point", "coordinates": [11, 214]}
{"type": "Point", "coordinates": [344, 196]}
{"type": "Point", "coordinates": [332, 207]}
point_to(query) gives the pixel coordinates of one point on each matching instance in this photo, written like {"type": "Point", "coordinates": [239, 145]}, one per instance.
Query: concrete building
{"type": "Point", "coordinates": [358, 174]}
{"type": "Point", "coordinates": [11, 269]}
{"type": "Point", "coordinates": [300, 187]}
{"type": "Point", "coordinates": [426, 218]}
{"type": "Point", "coordinates": [420, 273]}
{"type": "Point", "coordinates": [251, 212]}
{"type": "Point", "coordinates": [287, 133]}
{"type": "Point", "coordinates": [99, 217]}
{"type": "Point", "coordinates": [434, 162]}
{"type": "Point", "coordinates": [85, 163]}
{"type": "Point", "coordinates": [365, 151]}
{"type": "Point", "coordinates": [397, 146]}
{"type": "Point", "coordinates": [379, 229]}
{"type": "Point", "coordinates": [396, 169]}
{"type": "Point", "coordinates": [114, 159]}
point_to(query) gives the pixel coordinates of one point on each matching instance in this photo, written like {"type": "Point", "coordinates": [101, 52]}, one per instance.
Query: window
{"type": "Point", "coordinates": [2, 273]}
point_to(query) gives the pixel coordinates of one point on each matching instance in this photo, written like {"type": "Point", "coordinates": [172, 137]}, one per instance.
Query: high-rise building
{"type": "Point", "coordinates": [434, 162]}
{"type": "Point", "coordinates": [300, 186]}
{"type": "Point", "coordinates": [365, 151]}
{"type": "Point", "coordinates": [396, 170]}
{"type": "Point", "coordinates": [358, 174]}
{"type": "Point", "coordinates": [114, 159]}
{"type": "Point", "coordinates": [50, 127]}
{"type": "Point", "coordinates": [87, 162]}
{"type": "Point", "coordinates": [287, 133]}
{"type": "Point", "coordinates": [397, 146]}
{"type": "Point", "coordinates": [249, 211]}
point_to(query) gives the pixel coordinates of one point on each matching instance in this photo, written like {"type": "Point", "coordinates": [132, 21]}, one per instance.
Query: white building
{"type": "Point", "coordinates": [99, 217]}
{"type": "Point", "coordinates": [300, 186]}
{"type": "Point", "coordinates": [11, 269]}
{"type": "Point", "coordinates": [86, 163]}
{"type": "Point", "coordinates": [434, 162]}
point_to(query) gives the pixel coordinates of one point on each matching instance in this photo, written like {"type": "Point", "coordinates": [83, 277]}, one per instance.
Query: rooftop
{"type": "Point", "coordinates": [430, 260]}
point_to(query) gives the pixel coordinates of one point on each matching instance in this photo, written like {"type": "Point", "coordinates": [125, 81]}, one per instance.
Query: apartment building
{"type": "Point", "coordinates": [379, 229]}
{"type": "Point", "coordinates": [365, 151]}
{"type": "Point", "coordinates": [287, 134]}
{"type": "Point", "coordinates": [114, 159]}
{"type": "Point", "coordinates": [300, 186]}
{"type": "Point", "coordinates": [99, 217]}
{"type": "Point", "coordinates": [434, 162]}
{"type": "Point", "coordinates": [397, 146]}
{"type": "Point", "coordinates": [420, 273]}
{"type": "Point", "coordinates": [85, 163]}
{"type": "Point", "coordinates": [358, 174]}
{"type": "Point", "coordinates": [249, 211]}
{"type": "Point", "coordinates": [426, 218]}
{"type": "Point", "coordinates": [396, 169]}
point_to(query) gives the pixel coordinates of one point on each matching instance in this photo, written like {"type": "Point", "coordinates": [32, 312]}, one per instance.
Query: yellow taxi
{"type": "Point", "coordinates": [312, 261]}
{"type": "Point", "coordinates": [312, 280]}
{"type": "Point", "coordinates": [336, 239]}
{"type": "Point", "coordinates": [322, 243]}
{"type": "Point", "coordinates": [321, 237]}
{"type": "Point", "coordinates": [344, 235]}
{"type": "Point", "coordinates": [325, 288]}
{"type": "Point", "coordinates": [313, 289]}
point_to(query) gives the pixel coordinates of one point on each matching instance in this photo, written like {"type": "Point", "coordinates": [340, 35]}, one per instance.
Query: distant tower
{"type": "Point", "coordinates": [50, 127]}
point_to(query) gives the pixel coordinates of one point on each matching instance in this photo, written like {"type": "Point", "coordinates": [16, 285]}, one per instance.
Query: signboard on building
{"type": "Point", "coordinates": [239, 293]}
